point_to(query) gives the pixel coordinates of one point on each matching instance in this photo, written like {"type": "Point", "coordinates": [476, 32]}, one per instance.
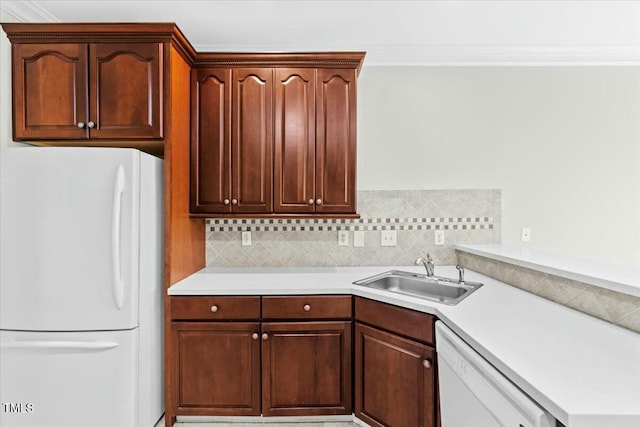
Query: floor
{"type": "Point", "coordinates": [263, 424]}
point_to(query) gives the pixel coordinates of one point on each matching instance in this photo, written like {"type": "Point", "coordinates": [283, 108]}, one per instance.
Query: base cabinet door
{"type": "Point", "coordinates": [306, 368]}
{"type": "Point", "coordinates": [218, 368]}
{"type": "Point", "coordinates": [394, 380]}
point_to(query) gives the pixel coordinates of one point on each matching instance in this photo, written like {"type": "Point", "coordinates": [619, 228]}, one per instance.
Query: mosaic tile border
{"type": "Point", "coordinates": [364, 224]}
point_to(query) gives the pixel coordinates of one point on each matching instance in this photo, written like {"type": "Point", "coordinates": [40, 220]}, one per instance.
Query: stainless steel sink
{"type": "Point", "coordinates": [439, 289]}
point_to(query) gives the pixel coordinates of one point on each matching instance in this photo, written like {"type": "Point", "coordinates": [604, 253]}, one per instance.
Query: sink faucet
{"type": "Point", "coordinates": [427, 261]}
{"type": "Point", "coordinates": [460, 273]}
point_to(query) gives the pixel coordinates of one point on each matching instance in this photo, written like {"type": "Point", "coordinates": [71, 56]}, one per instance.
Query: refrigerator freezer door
{"type": "Point", "coordinates": [69, 379]}
{"type": "Point", "coordinates": [69, 220]}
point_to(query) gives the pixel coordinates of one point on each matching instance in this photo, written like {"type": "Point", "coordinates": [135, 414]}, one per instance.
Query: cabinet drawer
{"type": "Point", "coordinates": [402, 321]}
{"type": "Point", "coordinates": [215, 308]}
{"type": "Point", "coordinates": [307, 307]}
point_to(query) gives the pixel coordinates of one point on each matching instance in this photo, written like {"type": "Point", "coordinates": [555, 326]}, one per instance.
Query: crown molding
{"type": "Point", "coordinates": [25, 11]}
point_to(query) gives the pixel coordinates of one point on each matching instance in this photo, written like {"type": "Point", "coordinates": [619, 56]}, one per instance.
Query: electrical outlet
{"type": "Point", "coordinates": [358, 238]}
{"type": "Point", "coordinates": [388, 238]}
{"type": "Point", "coordinates": [439, 238]}
{"type": "Point", "coordinates": [246, 238]}
{"type": "Point", "coordinates": [343, 237]}
{"type": "Point", "coordinates": [526, 234]}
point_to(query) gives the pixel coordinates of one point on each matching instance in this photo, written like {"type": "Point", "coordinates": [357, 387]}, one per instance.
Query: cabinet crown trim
{"type": "Point", "coordinates": [348, 60]}
{"type": "Point", "coordinates": [161, 32]}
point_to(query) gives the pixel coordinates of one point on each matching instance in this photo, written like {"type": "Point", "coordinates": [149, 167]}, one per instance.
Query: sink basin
{"type": "Point", "coordinates": [438, 289]}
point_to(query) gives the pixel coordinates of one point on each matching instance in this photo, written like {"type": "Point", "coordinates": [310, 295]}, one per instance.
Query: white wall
{"type": "Point", "coordinates": [562, 143]}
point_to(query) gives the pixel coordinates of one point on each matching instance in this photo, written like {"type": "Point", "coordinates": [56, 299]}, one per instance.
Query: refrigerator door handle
{"type": "Point", "coordinates": [59, 346]}
{"type": "Point", "coordinates": [118, 286]}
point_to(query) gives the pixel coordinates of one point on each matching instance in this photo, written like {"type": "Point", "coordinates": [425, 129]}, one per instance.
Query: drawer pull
{"type": "Point", "coordinates": [255, 335]}
{"type": "Point", "coordinates": [214, 308]}
{"type": "Point", "coordinates": [265, 336]}
{"type": "Point", "coordinates": [426, 363]}
{"type": "Point", "coordinates": [306, 307]}
{"type": "Point", "coordinates": [226, 201]}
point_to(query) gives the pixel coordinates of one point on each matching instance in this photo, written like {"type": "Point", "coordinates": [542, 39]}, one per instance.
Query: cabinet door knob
{"type": "Point", "coordinates": [265, 336]}
{"type": "Point", "coordinates": [310, 201]}
{"type": "Point", "coordinates": [91, 125]}
{"type": "Point", "coordinates": [81, 125]}
{"type": "Point", "coordinates": [226, 201]}
{"type": "Point", "coordinates": [318, 201]}
{"type": "Point", "coordinates": [254, 335]}
{"type": "Point", "coordinates": [214, 308]}
{"type": "Point", "coordinates": [426, 363]}
{"type": "Point", "coordinates": [306, 307]}
{"type": "Point", "coordinates": [234, 201]}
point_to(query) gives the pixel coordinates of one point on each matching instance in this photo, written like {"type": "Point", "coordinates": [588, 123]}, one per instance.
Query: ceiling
{"type": "Point", "coordinates": [416, 32]}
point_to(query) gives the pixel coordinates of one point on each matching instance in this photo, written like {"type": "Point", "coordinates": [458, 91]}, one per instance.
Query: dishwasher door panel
{"type": "Point", "coordinates": [475, 394]}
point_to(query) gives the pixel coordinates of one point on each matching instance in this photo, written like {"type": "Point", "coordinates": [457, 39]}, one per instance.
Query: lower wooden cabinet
{"type": "Point", "coordinates": [224, 361]}
{"type": "Point", "coordinates": [306, 368]}
{"type": "Point", "coordinates": [218, 368]}
{"type": "Point", "coordinates": [395, 380]}
{"type": "Point", "coordinates": [395, 372]}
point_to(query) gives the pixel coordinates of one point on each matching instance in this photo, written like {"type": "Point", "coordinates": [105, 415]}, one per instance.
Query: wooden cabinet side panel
{"type": "Point", "coordinates": [211, 140]}
{"type": "Point", "coordinates": [184, 245]}
{"type": "Point", "coordinates": [49, 91]}
{"type": "Point", "coordinates": [294, 128]}
{"type": "Point", "coordinates": [306, 368]}
{"type": "Point", "coordinates": [126, 90]}
{"type": "Point", "coordinates": [336, 140]}
{"type": "Point", "coordinates": [218, 368]}
{"type": "Point", "coordinates": [252, 140]}
{"type": "Point", "coordinates": [392, 385]}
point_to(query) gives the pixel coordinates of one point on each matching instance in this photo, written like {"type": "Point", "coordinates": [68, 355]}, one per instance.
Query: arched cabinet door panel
{"type": "Point", "coordinates": [50, 91]}
{"type": "Point", "coordinates": [126, 87]}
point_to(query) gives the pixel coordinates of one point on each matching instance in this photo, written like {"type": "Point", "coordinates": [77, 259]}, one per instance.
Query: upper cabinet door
{"type": "Point", "coordinates": [211, 140]}
{"type": "Point", "coordinates": [126, 88]}
{"type": "Point", "coordinates": [295, 140]}
{"type": "Point", "coordinates": [252, 140]}
{"type": "Point", "coordinates": [50, 91]}
{"type": "Point", "coordinates": [336, 141]}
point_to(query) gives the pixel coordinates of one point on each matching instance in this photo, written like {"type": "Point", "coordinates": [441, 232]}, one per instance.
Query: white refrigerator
{"type": "Point", "coordinates": [80, 287]}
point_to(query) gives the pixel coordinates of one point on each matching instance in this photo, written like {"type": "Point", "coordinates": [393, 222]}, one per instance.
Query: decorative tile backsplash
{"type": "Point", "coordinates": [466, 216]}
{"type": "Point", "coordinates": [614, 307]}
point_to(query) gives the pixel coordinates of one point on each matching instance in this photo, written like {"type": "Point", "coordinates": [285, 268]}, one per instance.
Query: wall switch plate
{"type": "Point", "coordinates": [439, 238]}
{"type": "Point", "coordinates": [246, 238]}
{"type": "Point", "coordinates": [526, 234]}
{"type": "Point", "coordinates": [358, 238]}
{"type": "Point", "coordinates": [388, 238]}
{"type": "Point", "coordinates": [343, 237]}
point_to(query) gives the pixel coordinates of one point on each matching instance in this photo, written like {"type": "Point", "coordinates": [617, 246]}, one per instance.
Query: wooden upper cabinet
{"type": "Point", "coordinates": [211, 140]}
{"type": "Point", "coordinates": [336, 141]}
{"type": "Point", "coordinates": [87, 91]}
{"type": "Point", "coordinates": [295, 140]}
{"type": "Point", "coordinates": [125, 90]}
{"type": "Point", "coordinates": [290, 120]}
{"type": "Point", "coordinates": [252, 140]}
{"type": "Point", "coordinates": [50, 91]}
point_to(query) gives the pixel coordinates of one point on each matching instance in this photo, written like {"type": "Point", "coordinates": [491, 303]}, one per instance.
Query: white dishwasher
{"type": "Point", "coordinates": [475, 394]}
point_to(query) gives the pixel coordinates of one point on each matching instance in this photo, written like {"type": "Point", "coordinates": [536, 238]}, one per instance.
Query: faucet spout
{"type": "Point", "coordinates": [428, 264]}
